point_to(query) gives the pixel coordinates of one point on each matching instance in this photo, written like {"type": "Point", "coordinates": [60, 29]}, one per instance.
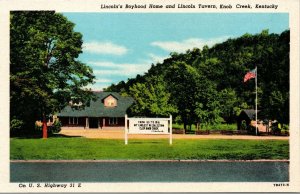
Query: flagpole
{"type": "Point", "coordinates": [256, 101]}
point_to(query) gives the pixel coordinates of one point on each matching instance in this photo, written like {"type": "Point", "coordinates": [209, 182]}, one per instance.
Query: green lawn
{"type": "Point", "coordinates": [83, 148]}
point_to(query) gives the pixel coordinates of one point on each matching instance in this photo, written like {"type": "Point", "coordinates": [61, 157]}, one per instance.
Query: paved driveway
{"type": "Point", "coordinates": [132, 171]}
{"type": "Point", "coordinates": [119, 134]}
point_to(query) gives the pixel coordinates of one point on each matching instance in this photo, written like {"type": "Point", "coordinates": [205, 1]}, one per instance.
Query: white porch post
{"type": "Point", "coordinates": [86, 122]}
{"type": "Point", "coordinates": [103, 121]}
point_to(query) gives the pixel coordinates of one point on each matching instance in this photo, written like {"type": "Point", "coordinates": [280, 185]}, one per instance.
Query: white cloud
{"type": "Point", "coordinates": [175, 46]}
{"type": "Point", "coordinates": [124, 69]}
{"type": "Point", "coordinates": [103, 81]}
{"type": "Point", "coordinates": [106, 64]}
{"type": "Point", "coordinates": [104, 48]}
{"type": "Point", "coordinates": [107, 72]}
{"type": "Point", "coordinates": [156, 59]}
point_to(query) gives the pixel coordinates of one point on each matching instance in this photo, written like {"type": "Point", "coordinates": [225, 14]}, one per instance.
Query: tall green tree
{"type": "Point", "coordinates": [229, 104]}
{"type": "Point", "coordinates": [221, 69]}
{"type": "Point", "coordinates": [151, 98]}
{"type": "Point", "coordinates": [182, 82]}
{"type": "Point", "coordinates": [208, 102]}
{"type": "Point", "coordinates": [45, 74]}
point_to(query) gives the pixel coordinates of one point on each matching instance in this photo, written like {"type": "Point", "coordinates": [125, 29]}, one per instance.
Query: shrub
{"type": "Point", "coordinates": [275, 128]}
{"type": "Point", "coordinates": [251, 129]}
{"type": "Point", "coordinates": [211, 127]}
{"type": "Point", "coordinates": [228, 127]}
{"type": "Point", "coordinates": [19, 128]}
{"type": "Point", "coordinates": [285, 127]}
{"type": "Point", "coordinates": [285, 130]}
{"type": "Point", "coordinates": [243, 125]}
{"type": "Point", "coordinates": [56, 126]}
{"type": "Point", "coordinates": [16, 125]}
{"type": "Point", "coordinates": [38, 126]}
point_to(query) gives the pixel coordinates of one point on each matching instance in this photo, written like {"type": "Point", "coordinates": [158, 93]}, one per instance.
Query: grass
{"type": "Point", "coordinates": [100, 149]}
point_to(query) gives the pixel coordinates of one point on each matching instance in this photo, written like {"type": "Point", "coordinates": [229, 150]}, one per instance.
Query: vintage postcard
{"type": "Point", "coordinates": [149, 96]}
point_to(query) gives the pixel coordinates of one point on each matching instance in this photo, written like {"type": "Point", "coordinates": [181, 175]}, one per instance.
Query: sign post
{"type": "Point", "coordinates": [126, 130]}
{"type": "Point", "coordinates": [170, 130]}
{"type": "Point", "coordinates": [150, 126]}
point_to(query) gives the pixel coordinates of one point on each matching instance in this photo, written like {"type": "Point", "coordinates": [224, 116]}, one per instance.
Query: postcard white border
{"type": "Point", "coordinates": [285, 6]}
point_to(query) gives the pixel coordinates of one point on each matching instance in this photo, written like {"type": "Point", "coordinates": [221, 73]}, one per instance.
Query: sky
{"type": "Point", "coordinates": [119, 46]}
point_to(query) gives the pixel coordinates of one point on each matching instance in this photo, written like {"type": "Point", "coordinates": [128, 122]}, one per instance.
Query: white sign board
{"type": "Point", "coordinates": [149, 126]}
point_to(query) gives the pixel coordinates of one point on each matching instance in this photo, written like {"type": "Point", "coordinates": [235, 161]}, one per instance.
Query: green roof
{"type": "Point", "coordinates": [97, 108]}
{"type": "Point", "coordinates": [250, 113]}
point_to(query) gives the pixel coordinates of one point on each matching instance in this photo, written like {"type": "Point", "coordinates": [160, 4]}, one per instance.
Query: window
{"type": "Point", "coordinates": [110, 101]}
{"type": "Point", "coordinates": [113, 121]}
{"type": "Point", "coordinates": [73, 120]}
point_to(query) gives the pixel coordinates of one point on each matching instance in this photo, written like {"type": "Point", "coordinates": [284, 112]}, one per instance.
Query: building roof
{"type": "Point", "coordinates": [97, 108]}
{"type": "Point", "coordinates": [250, 113]}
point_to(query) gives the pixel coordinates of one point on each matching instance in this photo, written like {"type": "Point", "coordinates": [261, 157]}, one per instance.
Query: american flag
{"type": "Point", "coordinates": [249, 75]}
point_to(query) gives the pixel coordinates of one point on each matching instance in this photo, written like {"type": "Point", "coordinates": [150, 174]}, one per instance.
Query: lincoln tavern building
{"type": "Point", "coordinates": [108, 110]}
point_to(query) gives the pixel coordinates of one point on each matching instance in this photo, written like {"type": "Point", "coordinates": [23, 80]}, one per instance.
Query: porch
{"type": "Point", "coordinates": [92, 122]}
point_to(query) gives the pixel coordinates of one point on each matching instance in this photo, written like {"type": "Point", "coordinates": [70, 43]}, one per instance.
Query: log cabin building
{"type": "Point", "coordinates": [108, 110]}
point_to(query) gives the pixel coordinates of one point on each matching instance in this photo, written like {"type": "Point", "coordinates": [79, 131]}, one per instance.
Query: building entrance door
{"type": "Point", "coordinates": [93, 122]}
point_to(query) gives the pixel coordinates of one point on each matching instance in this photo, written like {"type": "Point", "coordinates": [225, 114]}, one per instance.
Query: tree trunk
{"type": "Point", "coordinates": [45, 135]}
{"type": "Point", "coordinates": [184, 127]}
